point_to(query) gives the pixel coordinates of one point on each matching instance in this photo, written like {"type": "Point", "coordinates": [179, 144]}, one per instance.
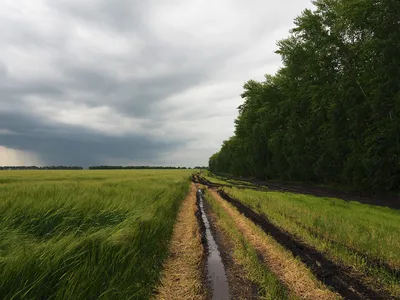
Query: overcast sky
{"type": "Point", "coordinates": [130, 82]}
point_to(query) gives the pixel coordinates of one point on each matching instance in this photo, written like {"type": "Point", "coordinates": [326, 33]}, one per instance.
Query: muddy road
{"type": "Point", "coordinates": [377, 199]}
{"type": "Point", "coordinates": [345, 280]}
{"type": "Point", "coordinates": [213, 227]}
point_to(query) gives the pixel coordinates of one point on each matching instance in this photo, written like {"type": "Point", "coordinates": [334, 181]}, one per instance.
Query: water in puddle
{"type": "Point", "coordinates": [215, 267]}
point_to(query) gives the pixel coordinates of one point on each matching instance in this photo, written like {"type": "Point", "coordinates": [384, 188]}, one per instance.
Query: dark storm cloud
{"type": "Point", "coordinates": [135, 97]}
{"type": "Point", "coordinates": [122, 81]}
{"type": "Point", "coordinates": [74, 146]}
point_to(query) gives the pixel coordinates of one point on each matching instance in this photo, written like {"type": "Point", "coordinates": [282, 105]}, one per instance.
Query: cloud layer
{"type": "Point", "coordinates": [130, 82]}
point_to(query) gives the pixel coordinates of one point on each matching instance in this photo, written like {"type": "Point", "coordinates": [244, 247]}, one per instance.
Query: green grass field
{"type": "Point", "coordinates": [86, 234]}
{"type": "Point", "coordinates": [363, 236]}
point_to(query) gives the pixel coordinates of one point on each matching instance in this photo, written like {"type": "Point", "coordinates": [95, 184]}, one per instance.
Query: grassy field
{"type": "Point", "coordinates": [363, 236]}
{"type": "Point", "coordinates": [86, 234]}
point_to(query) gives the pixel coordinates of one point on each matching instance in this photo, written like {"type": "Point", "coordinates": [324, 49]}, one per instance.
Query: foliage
{"type": "Point", "coordinates": [331, 114]}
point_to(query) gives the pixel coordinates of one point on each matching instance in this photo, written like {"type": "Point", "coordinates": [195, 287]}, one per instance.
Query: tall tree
{"type": "Point", "coordinates": [331, 113]}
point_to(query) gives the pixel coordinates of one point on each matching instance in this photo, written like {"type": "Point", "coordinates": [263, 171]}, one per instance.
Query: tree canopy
{"type": "Point", "coordinates": [331, 113]}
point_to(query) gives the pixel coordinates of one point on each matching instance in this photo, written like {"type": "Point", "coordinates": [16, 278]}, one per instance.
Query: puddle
{"type": "Point", "coordinates": [215, 267]}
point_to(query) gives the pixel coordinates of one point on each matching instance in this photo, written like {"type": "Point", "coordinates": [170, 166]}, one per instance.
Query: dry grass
{"type": "Point", "coordinates": [182, 275]}
{"type": "Point", "coordinates": [293, 273]}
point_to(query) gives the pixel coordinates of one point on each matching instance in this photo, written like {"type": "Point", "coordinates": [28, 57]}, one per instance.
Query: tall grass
{"type": "Point", "coordinates": [86, 234]}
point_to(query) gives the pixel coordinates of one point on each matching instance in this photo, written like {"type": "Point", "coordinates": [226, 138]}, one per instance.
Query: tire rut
{"type": "Point", "coordinates": [339, 277]}
{"type": "Point", "coordinates": [371, 261]}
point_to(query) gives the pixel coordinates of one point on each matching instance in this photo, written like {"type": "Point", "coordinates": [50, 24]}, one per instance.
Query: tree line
{"type": "Point", "coordinates": [331, 114]}
{"type": "Point", "coordinates": [40, 168]}
{"type": "Point", "coordinates": [140, 168]}
{"type": "Point", "coordinates": [97, 168]}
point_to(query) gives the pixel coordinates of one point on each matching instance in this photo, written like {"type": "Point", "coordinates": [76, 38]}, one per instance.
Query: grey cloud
{"type": "Point", "coordinates": [94, 80]}
{"type": "Point", "coordinates": [62, 72]}
{"type": "Point", "coordinates": [77, 146]}
{"type": "Point", "coordinates": [122, 15]}
{"type": "Point", "coordinates": [13, 89]}
{"type": "Point", "coordinates": [135, 97]}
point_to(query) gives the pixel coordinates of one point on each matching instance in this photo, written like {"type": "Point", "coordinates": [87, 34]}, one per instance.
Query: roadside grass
{"type": "Point", "coordinates": [86, 234]}
{"type": "Point", "coordinates": [363, 236]}
{"type": "Point", "coordinates": [269, 285]}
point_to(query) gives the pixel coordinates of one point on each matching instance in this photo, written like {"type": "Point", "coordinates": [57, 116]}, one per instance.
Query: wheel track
{"type": "Point", "coordinates": [343, 279]}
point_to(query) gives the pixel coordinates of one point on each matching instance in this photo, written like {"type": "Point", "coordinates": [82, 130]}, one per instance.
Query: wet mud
{"type": "Point", "coordinates": [216, 275]}
{"type": "Point", "coordinates": [240, 287]}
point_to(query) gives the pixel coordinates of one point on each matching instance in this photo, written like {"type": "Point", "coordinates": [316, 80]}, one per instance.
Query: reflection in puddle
{"type": "Point", "coordinates": [215, 267]}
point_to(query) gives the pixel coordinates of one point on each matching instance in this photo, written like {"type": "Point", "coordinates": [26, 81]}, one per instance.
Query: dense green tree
{"type": "Point", "coordinates": [331, 113]}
